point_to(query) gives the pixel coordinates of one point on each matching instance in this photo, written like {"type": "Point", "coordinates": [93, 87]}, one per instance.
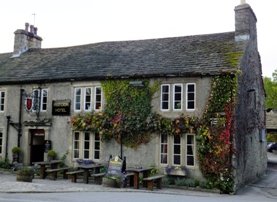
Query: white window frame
{"type": "Point", "coordinates": [95, 98]}
{"type": "Point", "coordinates": [85, 101]}
{"type": "Point", "coordinates": [42, 103]}
{"type": "Point", "coordinates": [1, 142]}
{"type": "Point", "coordinates": [96, 140]}
{"type": "Point", "coordinates": [173, 97]}
{"type": "Point", "coordinates": [194, 100]}
{"type": "Point", "coordinates": [162, 152]}
{"type": "Point", "coordinates": [169, 96]}
{"type": "Point", "coordinates": [193, 150]}
{"type": "Point", "coordinates": [88, 141]}
{"type": "Point", "coordinates": [2, 101]}
{"type": "Point", "coordinates": [81, 143]}
{"type": "Point", "coordinates": [173, 152]}
{"type": "Point", "coordinates": [74, 145]}
{"type": "Point", "coordinates": [75, 100]}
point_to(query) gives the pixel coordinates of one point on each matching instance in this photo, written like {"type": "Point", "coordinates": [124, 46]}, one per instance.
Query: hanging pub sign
{"type": "Point", "coordinates": [28, 103]}
{"type": "Point", "coordinates": [61, 107]}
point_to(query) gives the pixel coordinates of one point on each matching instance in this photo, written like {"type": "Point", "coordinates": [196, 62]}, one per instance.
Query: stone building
{"type": "Point", "coordinates": [43, 89]}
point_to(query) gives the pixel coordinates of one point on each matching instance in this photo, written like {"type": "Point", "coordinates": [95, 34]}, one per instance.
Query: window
{"type": "Point", "coordinates": [177, 150]}
{"type": "Point", "coordinates": [175, 93]}
{"type": "Point", "coordinates": [1, 142]}
{"type": "Point", "coordinates": [83, 99]}
{"type": "Point", "coordinates": [165, 94]}
{"type": "Point", "coordinates": [190, 96]}
{"type": "Point", "coordinates": [190, 150]}
{"type": "Point", "coordinates": [88, 99]}
{"type": "Point", "coordinates": [40, 97]}
{"type": "Point", "coordinates": [97, 146]}
{"type": "Point", "coordinates": [178, 95]}
{"type": "Point", "coordinates": [86, 145]}
{"type": "Point", "coordinates": [98, 98]}
{"type": "Point", "coordinates": [164, 145]}
{"type": "Point", "coordinates": [180, 149]}
{"type": "Point", "coordinates": [44, 99]}
{"type": "Point", "coordinates": [76, 145]}
{"type": "Point", "coordinates": [2, 101]}
{"type": "Point", "coordinates": [77, 99]}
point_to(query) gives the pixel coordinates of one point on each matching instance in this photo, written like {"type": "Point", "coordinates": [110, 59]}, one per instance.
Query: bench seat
{"type": "Point", "coordinates": [74, 174]}
{"type": "Point", "coordinates": [129, 176]}
{"type": "Point", "coordinates": [55, 171]}
{"type": "Point", "coordinates": [157, 179]}
{"type": "Point", "coordinates": [98, 177]}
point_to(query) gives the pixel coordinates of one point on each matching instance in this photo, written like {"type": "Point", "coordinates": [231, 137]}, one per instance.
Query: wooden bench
{"type": "Point", "coordinates": [98, 177]}
{"type": "Point", "coordinates": [55, 171]}
{"type": "Point", "coordinates": [157, 179]}
{"type": "Point", "coordinates": [129, 179]}
{"type": "Point", "coordinates": [74, 174]}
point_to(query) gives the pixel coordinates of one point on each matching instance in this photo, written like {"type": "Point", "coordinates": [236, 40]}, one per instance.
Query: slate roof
{"type": "Point", "coordinates": [200, 55]}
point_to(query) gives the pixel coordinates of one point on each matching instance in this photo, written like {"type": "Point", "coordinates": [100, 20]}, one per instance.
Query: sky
{"type": "Point", "coordinates": [64, 23]}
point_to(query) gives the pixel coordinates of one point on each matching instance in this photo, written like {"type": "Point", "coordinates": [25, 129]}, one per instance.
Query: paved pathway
{"type": "Point", "coordinates": [267, 185]}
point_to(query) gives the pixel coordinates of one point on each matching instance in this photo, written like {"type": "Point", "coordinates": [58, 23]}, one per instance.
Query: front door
{"type": "Point", "coordinates": [37, 145]}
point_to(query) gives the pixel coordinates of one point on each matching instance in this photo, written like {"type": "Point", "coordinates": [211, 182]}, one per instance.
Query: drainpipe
{"type": "Point", "coordinates": [7, 135]}
{"type": "Point", "coordinates": [19, 118]}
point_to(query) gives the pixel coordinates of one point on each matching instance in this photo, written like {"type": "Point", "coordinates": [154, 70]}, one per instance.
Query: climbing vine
{"type": "Point", "coordinates": [128, 118]}
{"type": "Point", "coordinates": [214, 138]}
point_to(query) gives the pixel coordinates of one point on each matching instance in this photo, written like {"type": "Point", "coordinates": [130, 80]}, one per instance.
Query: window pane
{"type": "Point", "coordinates": [97, 155]}
{"type": "Point", "coordinates": [164, 149]}
{"type": "Point", "coordinates": [165, 97]}
{"type": "Point", "coordinates": [2, 101]}
{"type": "Point", "coordinates": [177, 97]}
{"type": "Point", "coordinates": [191, 88]}
{"type": "Point", "coordinates": [177, 149]}
{"type": "Point", "coordinates": [177, 160]}
{"type": "Point", "coordinates": [190, 96]}
{"type": "Point", "coordinates": [77, 99]}
{"type": "Point", "coordinates": [190, 105]}
{"type": "Point", "coordinates": [98, 98]}
{"type": "Point", "coordinates": [189, 150]}
{"type": "Point", "coordinates": [88, 99]}
{"type": "Point", "coordinates": [177, 139]}
{"type": "Point", "coordinates": [190, 160]}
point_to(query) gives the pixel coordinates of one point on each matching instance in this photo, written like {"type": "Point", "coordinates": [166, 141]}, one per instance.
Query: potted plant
{"type": "Point", "coordinates": [25, 174]}
{"type": "Point", "coordinates": [16, 152]}
{"type": "Point", "coordinates": [51, 155]}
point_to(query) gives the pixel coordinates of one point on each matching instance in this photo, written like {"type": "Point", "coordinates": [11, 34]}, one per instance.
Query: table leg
{"type": "Point", "coordinates": [42, 172]}
{"type": "Point", "coordinates": [136, 180]}
{"type": "Point", "coordinates": [86, 176]}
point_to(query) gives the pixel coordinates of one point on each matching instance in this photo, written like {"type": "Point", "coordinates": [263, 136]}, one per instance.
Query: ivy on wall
{"type": "Point", "coordinates": [215, 141]}
{"type": "Point", "coordinates": [128, 118]}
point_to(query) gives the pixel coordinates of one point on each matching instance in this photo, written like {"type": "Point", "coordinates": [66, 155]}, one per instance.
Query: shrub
{"type": "Point", "coordinates": [16, 150]}
{"type": "Point", "coordinates": [5, 164]}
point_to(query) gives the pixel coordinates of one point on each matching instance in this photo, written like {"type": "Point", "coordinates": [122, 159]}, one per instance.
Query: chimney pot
{"type": "Point", "coordinates": [26, 26]}
{"type": "Point", "coordinates": [35, 31]}
{"type": "Point", "coordinates": [32, 29]}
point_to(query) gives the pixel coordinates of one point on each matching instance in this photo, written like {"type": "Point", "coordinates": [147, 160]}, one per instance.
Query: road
{"type": "Point", "coordinates": [131, 196]}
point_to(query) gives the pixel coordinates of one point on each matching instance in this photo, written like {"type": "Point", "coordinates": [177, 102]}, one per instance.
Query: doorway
{"type": "Point", "coordinates": [37, 145]}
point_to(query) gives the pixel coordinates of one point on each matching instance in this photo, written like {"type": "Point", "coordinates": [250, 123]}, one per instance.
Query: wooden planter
{"type": "Point", "coordinates": [110, 182]}
{"type": "Point", "coordinates": [24, 178]}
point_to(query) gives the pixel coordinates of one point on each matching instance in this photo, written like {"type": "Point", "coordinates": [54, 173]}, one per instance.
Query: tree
{"type": "Point", "coordinates": [270, 86]}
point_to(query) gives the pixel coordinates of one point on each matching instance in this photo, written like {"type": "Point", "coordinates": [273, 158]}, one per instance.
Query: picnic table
{"type": "Point", "coordinates": [88, 168]}
{"type": "Point", "coordinates": [145, 171]}
{"type": "Point", "coordinates": [53, 164]}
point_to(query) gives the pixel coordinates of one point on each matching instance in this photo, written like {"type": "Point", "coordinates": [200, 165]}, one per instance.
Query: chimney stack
{"type": "Point", "coordinates": [26, 39]}
{"type": "Point", "coordinates": [245, 22]}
